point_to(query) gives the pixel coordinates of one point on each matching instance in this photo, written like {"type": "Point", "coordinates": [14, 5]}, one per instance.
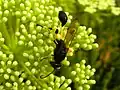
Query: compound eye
{"type": "Point", "coordinates": [63, 17]}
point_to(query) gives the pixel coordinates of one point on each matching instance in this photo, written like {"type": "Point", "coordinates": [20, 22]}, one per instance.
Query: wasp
{"type": "Point", "coordinates": [62, 46]}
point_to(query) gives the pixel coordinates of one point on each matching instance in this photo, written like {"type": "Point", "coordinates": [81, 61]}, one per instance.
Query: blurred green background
{"type": "Point", "coordinates": [104, 18]}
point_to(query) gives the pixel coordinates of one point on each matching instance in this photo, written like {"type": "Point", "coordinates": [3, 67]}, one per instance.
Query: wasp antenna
{"type": "Point", "coordinates": [42, 76]}
{"type": "Point", "coordinates": [45, 58]}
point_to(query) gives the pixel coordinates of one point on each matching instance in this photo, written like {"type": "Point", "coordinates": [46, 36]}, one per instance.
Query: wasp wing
{"type": "Point", "coordinates": [70, 33]}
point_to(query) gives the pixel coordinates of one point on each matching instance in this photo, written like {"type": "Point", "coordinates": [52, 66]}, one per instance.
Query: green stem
{"type": "Point", "coordinates": [5, 33]}
{"type": "Point", "coordinates": [17, 25]}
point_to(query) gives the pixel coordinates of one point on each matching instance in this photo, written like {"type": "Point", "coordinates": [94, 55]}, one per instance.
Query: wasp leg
{"type": "Point", "coordinates": [42, 76]}
{"type": "Point", "coordinates": [45, 57]}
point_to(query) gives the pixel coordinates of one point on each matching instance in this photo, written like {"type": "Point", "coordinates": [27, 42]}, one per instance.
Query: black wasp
{"type": "Point", "coordinates": [61, 45]}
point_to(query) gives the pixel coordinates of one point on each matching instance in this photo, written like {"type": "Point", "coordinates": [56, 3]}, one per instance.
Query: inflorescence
{"type": "Point", "coordinates": [27, 31]}
{"type": "Point", "coordinates": [90, 6]}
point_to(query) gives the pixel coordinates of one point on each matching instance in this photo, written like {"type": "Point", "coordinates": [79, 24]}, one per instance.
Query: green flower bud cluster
{"type": "Point", "coordinates": [70, 4]}
{"type": "Point", "coordinates": [80, 75]}
{"type": "Point", "coordinates": [25, 38]}
{"type": "Point", "coordinates": [90, 6]}
{"type": "Point", "coordinates": [116, 10]}
{"type": "Point", "coordinates": [57, 83]}
{"type": "Point", "coordinates": [84, 39]}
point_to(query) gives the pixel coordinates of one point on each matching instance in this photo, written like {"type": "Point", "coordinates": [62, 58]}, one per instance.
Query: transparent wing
{"type": "Point", "coordinates": [70, 33]}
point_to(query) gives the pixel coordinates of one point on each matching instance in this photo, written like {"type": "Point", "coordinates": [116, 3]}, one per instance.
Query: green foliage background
{"type": "Point", "coordinates": [104, 17]}
{"type": "Point", "coordinates": [27, 32]}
